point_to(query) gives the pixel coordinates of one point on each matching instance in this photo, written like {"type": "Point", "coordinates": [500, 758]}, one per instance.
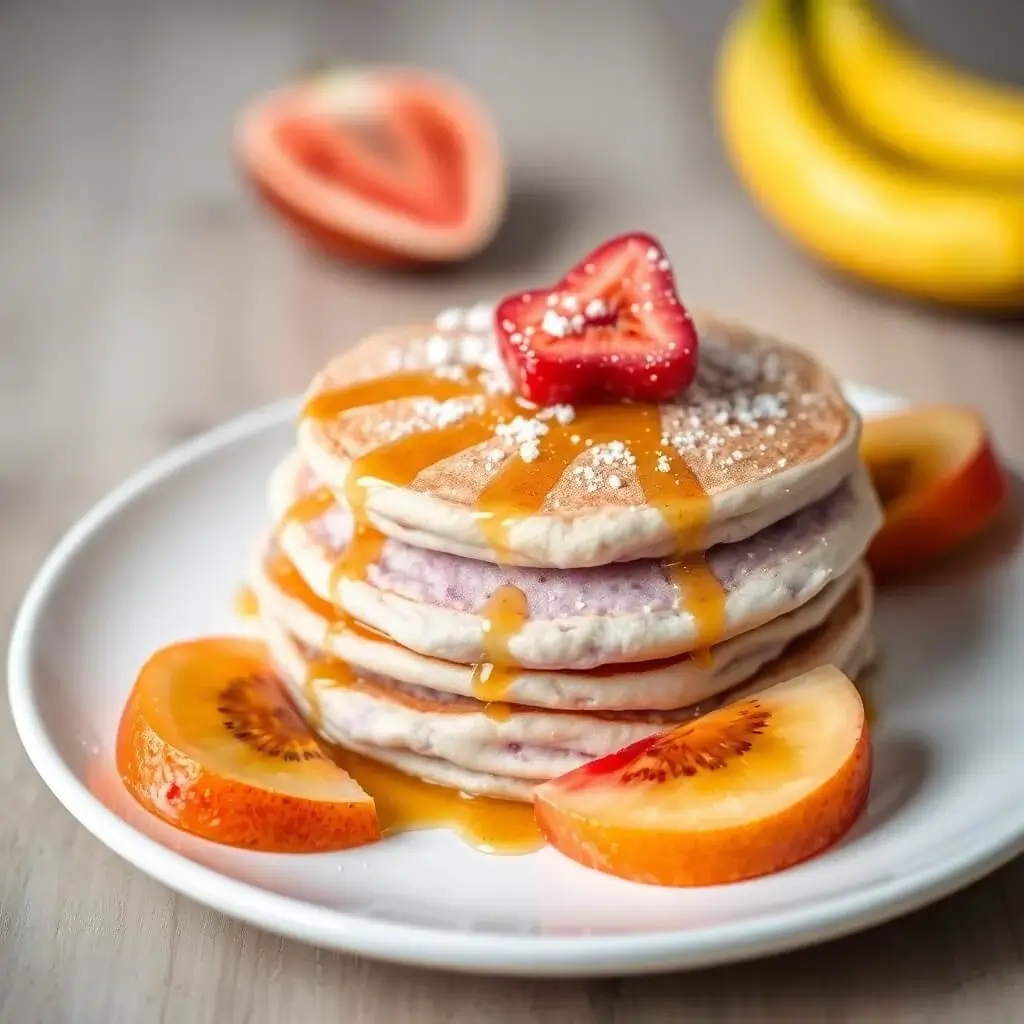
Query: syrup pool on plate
{"type": "Point", "coordinates": [405, 804]}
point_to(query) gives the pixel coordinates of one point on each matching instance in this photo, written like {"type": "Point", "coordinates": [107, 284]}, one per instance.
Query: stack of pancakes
{"type": "Point", "coordinates": [486, 594]}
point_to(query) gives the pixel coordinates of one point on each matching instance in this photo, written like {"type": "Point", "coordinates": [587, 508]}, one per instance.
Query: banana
{"type": "Point", "coordinates": [896, 226]}
{"type": "Point", "coordinates": [916, 105]}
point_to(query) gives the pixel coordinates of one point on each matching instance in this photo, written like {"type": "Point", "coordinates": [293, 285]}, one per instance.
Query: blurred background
{"type": "Point", "coordinates": [146, 293]}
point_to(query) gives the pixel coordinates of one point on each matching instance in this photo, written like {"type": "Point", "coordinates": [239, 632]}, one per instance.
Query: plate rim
{"type": "Point", "coordinates": [415, 944]}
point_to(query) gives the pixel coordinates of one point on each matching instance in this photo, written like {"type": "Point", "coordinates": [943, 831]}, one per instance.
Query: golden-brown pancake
{"type": "Point", "coordinates": [416, 428]}
{"type": "Point", "coordinates": [460, 742]}
{"type": "Point", "coordinates": [670, 683]}
{"type": "Point", "coordinates": [437, 604]}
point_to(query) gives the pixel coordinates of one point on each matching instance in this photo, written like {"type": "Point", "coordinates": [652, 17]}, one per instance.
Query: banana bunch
{"type": "Point", "coordinates": [882, 161]}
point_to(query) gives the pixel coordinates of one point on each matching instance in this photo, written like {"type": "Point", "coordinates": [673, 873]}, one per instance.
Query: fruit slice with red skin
{"type": "Point", "coordinates": [749, 789]}
{"type": "Point", "coordinates": [936, 471]}
{"type": "Point", "coordinates": [209, 742]}
{"type": "Point", "coordinates": [386, 164]}
{"type": "Point", "coordinates": [612, 328]}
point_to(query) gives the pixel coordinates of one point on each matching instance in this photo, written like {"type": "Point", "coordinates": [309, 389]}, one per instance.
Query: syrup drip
{"type": "Point", "coordinates": [398, 463]}
{"type": "Point", "coordinates": [519, 490]}
{"type": "Point", "coordinates": [328, 405]}
{"type": "Point", "coordinates": [286, 578]}
{"type": "Point", "coordinates": [277, 567]}
{"type": "Point", "coordinates": [321, 674]}
{"type": "Point", "coordinates": [247, 604]}
{"type": "Point", "coordinates": [361, 552]}
{"type": "Point", "coordinates": [700, 592]}
{"type": "Point", "coordinates": [308, 507]}
{"type": "Point", "coordinates": [344, 623]}
{"type": "Point", "coordinates": [305, 509]}
{"type": "Point", "coordinates": [504, 615]}
{"type": "Point", "coordinates": [401, 461]}
{"type": "Point", "coordinates": [405, 804]}
{"type": "Point", "coordinates": [498, 711]}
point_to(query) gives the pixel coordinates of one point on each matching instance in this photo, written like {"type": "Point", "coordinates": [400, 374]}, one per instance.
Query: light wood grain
{"type": "Point", "coordinates": [143, 298]}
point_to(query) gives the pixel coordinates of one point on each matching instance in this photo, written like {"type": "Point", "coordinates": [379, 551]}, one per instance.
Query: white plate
{"type": "Point", "coordinates": [161, 558]}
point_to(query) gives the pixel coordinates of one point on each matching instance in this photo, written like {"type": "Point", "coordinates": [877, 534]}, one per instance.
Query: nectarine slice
{"type": "Point", "coordinates": [210, 742]}
{"type": "Point", "coordinates": [939, 480]}
{"type": "Point", "coordinates": [749, 789]}
{"type": "Point", "coordinates": [385, 164]}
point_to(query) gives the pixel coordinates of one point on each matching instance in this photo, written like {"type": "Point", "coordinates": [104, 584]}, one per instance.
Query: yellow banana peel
{"type": "Point", "coordinates": [917, 105]}
{"type": "Point", "coordinates": [890, 223]}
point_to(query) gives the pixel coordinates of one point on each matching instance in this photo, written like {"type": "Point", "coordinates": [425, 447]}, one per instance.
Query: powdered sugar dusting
{"type": "Point", "coordinates": [463, 339]}
{"type": "Point", "coordinates": [449, 320]}
{"type": "Point", "coordinates": [425, 414]}
{"type": "Point", "coordinates": [524, 433]}
{"type": "Point", "coordinates": [479, 318]}
{"type": "Point", "coordinates": [751, 411]}
{"type": "Point", "coordinates": [739, 398]}
{"type": "Point", "coordinates": [605, 466]}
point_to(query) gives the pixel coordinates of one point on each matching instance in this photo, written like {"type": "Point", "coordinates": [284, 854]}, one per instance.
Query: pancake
{"type": "Point", "coordinates": [436, 603]}
{"type": "Point", "coordinates": [459, 742]}
{"type": "Point", "coordinates": [678, 682]}
{"type": "Point", "coordinates": [443, 773]}
{"type": "Point", "coordinates": [417, 429]}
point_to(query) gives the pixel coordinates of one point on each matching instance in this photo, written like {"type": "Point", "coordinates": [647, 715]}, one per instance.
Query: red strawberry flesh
{"type": "Point", "coordinates": [612, 329]}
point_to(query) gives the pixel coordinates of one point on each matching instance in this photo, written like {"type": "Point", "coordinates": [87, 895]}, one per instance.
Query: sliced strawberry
{"type": "Point", "coordinates": [612, 328]}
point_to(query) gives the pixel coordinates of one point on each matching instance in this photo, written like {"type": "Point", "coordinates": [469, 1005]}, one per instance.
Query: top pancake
{"type": "Point", "coordinates": [446, 458]}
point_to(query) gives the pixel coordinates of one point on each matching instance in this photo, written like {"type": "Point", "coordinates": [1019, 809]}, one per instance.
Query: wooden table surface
{"type": "Point", "coordinates": [144, 298]}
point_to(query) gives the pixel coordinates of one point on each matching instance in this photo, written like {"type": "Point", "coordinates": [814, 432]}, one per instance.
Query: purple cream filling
{"type": "Point", "coordinates": [465, 584]}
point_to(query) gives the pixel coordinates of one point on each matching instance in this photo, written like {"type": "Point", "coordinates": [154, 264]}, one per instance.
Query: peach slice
{"type": "Point", "coordinates": [939, 480]}
{"type": "Point", "coordinates": [209, 742]}
{"type": "Point", "coordinates": [749, 789]}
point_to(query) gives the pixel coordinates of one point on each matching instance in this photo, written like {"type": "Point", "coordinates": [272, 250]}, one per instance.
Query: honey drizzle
{"type": "Point", "coordinates": [308, 507]}
{"type": "Point", "coordinates": [325, 670]}
{"type": "Point", "coordinates": [406, 804]}
{"type": "Point", "coordinates": [498, 711]}
{"type": "Point", "coordinates": [277, 567]}
{"type": "Point", "coordinates": [403, 803]}
{"type": "Point", "coordinates": [361, 552]}
{"type": "Point", "coordinates": [247, 604]}
{"type": "Point", "coordinates": [399, 462]}
{"type": "Point", "coordinates": [520, 490]}
{"type": "Point", "coordinates": [504, 614]}
{"type": "Point", "coordinates": [321, 674]}
{"type": "Point", "coordinates": [331, 403]}
{"type": "Point", "coordinates": [698, 590]}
